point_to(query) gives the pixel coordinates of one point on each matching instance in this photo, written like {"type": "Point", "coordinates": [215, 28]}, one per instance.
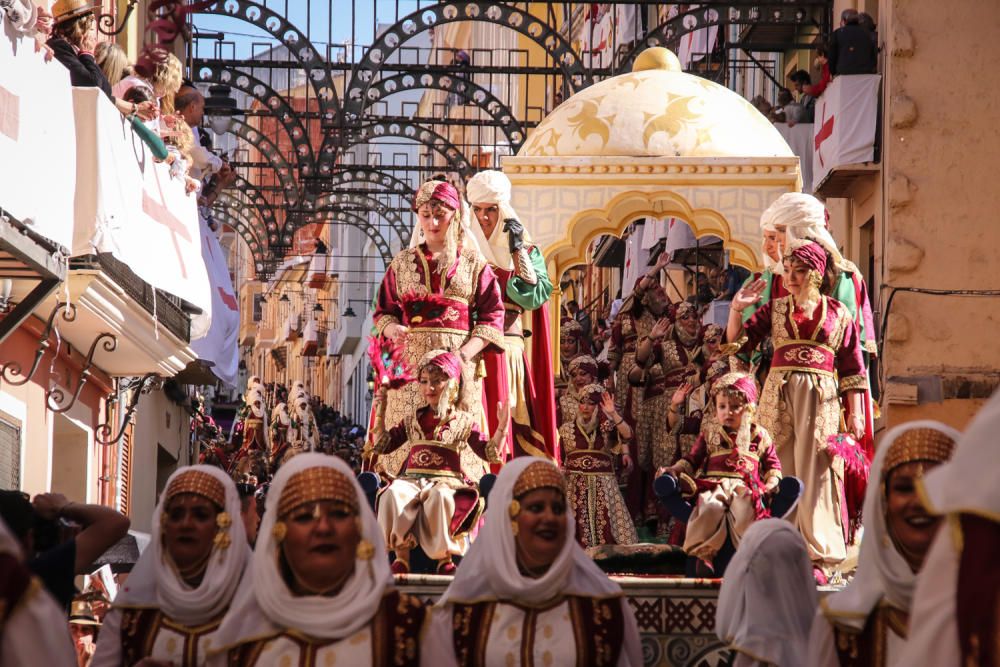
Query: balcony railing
{"type": "Point", "coordinates": [164, 307]}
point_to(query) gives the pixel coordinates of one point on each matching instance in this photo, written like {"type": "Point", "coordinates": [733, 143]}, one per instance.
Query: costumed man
{"type": "Point", "coordinates": [303, 436]}
{"type": "Point", "coordinates": [281, 421]}
{"type": "Point", "coordinates": [433, 502]}
{"type": "Point", "coordinates": [525, 288]}
{"type": "Point", "coordinates": [665, 359]}
{"type": "Point", "coordinates": [440, 293]}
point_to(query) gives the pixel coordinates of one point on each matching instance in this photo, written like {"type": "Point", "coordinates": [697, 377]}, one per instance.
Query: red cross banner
{"type": "Point", "coordinates": [844, 126]}
{"type": "Point", "coordinates": [219, 342]}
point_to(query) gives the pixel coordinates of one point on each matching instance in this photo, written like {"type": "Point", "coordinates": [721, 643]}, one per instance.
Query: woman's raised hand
{"type": "Point", "coordinates": [749, 295]}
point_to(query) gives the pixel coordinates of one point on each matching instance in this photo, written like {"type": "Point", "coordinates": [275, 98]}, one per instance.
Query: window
{"type": "Point", "coordinates": [10, 456]}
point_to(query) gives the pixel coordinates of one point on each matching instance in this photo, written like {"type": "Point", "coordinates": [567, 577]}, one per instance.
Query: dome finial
{"type": "Point", "coordinates": [657, 57]}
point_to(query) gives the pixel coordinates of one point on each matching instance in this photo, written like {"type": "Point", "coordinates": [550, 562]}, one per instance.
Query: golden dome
{"type": "Point", "coordinates": [656, 111]}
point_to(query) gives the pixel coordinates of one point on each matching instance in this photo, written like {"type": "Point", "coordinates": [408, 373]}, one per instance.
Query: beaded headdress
{"type": "Point", "coordinates": [199, 483]}
{"type": "Point", "coordinates": [315, 484]}
{"type": "Point", "coordinates": [586, 362]}
{"type": "Point", "coordinates": [539, 475]}
{"type": "Point", "coordinates": [919, 444]}
{"type": "Point", "coordinates": [593, 393]}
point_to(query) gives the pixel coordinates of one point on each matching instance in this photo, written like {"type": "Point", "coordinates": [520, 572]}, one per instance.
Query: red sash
{"type": "Point", "coordinates": [804, 355]}
{"type": "Point", "coordinates": [588, 461]}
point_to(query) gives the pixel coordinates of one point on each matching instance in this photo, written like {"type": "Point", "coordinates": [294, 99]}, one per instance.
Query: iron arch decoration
{"type": "Point", "coordinates": [463, 87]}
{"type": "Point", "coordinates": [670, 33]}
{"type": "Point", "coordinates": [371, 176]}
{"type": "Point", "coordinates": [310, 59]}
{"type": "Point", "coordinates": [244, 233]}
{"type": "Point", "coordinates": [270, 150]}
{"type": "Point", "coordinates": [372, 232]}
{"type": "Point", "coordinates": [406, 130]}
{"type": "Point", "coordinates": [264, 208]}
{"type": "Point", "coordinates": [426, 18]}
{"type": "Point", "coordinates": [233, 205]}
{"type": "Point", "coordinates": [276, 105]}
{"type": "Point", "coordinates": [335, 201]}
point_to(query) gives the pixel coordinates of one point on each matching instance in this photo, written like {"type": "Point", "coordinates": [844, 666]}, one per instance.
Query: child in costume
{"type": "Point", "coordinates": [433, 502]}
{"type": "Point", "coordinates": [731, 468]}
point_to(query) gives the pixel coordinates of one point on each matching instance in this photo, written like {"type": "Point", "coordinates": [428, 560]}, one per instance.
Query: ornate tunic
{"type": "Point", "coordinates": [878, 644]}
{"type": "Point", "coordinates": [435, 446]}
{"type": "Point", "coordinates": [531, 390]}
{"type": "Point", "coordinates": [150, 633]}
{"type": "Point", "coordinates": [815, 359]}
{"type": "Point", "coordinates": [391, 639]}
{"type": "Point", "coordinates": [592, 486]}
{"type": "Point", "coordinates": [473, 308]}
{"type": "Point", "coordinates": [715, 457]}
{"type": "Point", "coordinates": [577, 631]}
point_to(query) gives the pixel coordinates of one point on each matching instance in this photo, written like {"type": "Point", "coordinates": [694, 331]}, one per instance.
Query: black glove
{"type": "Point", "coordinates": [515, 234]}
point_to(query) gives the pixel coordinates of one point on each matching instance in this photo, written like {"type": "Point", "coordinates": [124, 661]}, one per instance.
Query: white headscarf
{"type": "Point", "coordinates": [492, 187]}
{"type": "Point", "coordinates": [882, 570]}
{"type": "Point", "coordinates": [803, 217]}
{"type": "Point", "coordinates": [489, 571]}
{"type": "Point", "coordinates": [966, 483]}
{"type": "Point", "coordinates": [768, 596]}
{"type": "Point", "coordinates": [154, 581]}
{"type": "Point", "coordinates": [459, 229]}
{"type": "Point", "coordinates": [268, 606]}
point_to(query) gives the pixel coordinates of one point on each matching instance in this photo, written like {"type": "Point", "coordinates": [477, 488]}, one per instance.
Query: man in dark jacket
{"type": "Point", "coordinates": [852, 47]}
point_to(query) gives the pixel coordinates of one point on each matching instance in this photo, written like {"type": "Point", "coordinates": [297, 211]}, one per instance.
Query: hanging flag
{"type": "Point", "coordinates": [844, 126]}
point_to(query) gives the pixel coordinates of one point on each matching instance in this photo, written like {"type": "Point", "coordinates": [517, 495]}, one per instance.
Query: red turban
{"type": "Point", "coordinates": [449, 362]}
{"type": "Point", "coordinates": [741, 382]}
{"type": "Point", "coordinates": [811, 254]}
{"type": "Point", "coordinates": [440, 190]}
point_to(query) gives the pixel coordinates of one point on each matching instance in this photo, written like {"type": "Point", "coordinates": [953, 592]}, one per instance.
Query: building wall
{"type": "Point", "coordinates": [160, 445]}
{"type": "Point", "coordinates": [939, 201]}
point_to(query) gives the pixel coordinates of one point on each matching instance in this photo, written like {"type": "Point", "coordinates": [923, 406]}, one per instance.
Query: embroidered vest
{"type": "Point", "coordinates": [868, 647]}
{"type": "Point", "coordinates": [141, 626]}
{"type": "Point", "coordinates": [395, 636]}
{"type": "Point", "coordinates": [598, 630]}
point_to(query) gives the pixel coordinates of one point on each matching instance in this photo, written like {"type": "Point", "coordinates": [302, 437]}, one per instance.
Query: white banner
{"type": "Point", "coordinates": [37, 138]}
{"type": "Point", "coordinates": [635, 260]}
{"type": "Point", "coordinates": [220, 343]}
{"type": "Point", "coordinates": [844, 126]}
{"type": "Point", "coordinates": [128, 205]}
{"type": "Point", "coordinates": [800, 139]}
{"type": "Point", "coordinates": [614, 26]}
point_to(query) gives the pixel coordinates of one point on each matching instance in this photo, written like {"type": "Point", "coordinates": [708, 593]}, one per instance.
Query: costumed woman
{"type": "Point", "coordinates": [593, 442]}
{"type": "Point", "coordinates": [865, 625]}
{"type": "Point", "coordinates": [33, 629]}
{"type": "Point", "coordinates": [768, 598]}
{"type": "Point", "coordinates": [525, 288]}
{"type": "Point", "coordinates": [319, 591]}
{"type": "Point", "coordinates": [432, 503]}
{"type": "Point", "coordinates": [797, 216]}
{"type": "Point", "coordinates": [177, 593]}
{"type": "Point", "coordinates": [817, 359]}
{"type": "Point", "coordinates": [955, 614]}
{"type": "Point", "coordinates": [439, 294]}
{"type": "Point", "coordinates": [526, 593]}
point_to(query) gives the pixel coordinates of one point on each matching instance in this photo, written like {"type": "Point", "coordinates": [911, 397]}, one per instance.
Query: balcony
{"type": "Point", "coordinates": [846, 137]}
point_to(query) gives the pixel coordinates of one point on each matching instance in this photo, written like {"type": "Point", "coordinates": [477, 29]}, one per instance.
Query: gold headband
{"type": "Point", "coordinates": [200, 483]}
{"type": "Point", "coordinates": [919, 444]}
{"type": "Point", "coordinates": [539, 475]}
{"type": "Point", "coordinates": [315, 484]}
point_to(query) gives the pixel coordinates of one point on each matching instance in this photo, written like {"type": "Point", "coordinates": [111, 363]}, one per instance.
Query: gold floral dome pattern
{"type": "Point", "coordinates": [656, 111]}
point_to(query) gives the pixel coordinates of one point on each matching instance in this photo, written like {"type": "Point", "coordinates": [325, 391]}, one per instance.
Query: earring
{"type": "Point", "coordinates": [512, 511]}
{"type": "Point", "coordinates": [513, 528]}
{"type": "Point", "coordinates": [365, 550]}
{"type": "Point", "coordinates": [279, 530]}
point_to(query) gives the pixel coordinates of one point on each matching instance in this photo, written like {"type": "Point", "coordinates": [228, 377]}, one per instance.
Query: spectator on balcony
{"type": "Point", "coordinates": [190, 104]}
{"type": "Point", "coordinates": [779, 113]}
{"type": "Point", "coordinates": [163, 78]}
{"type": "Point", "coordinates": [800, 80]}
{"type": "Point", "coordinates": [180, 144]}
{"type": "Point", "coordinates": [73, 40]}
{"type": "Point", "coordinates": [822, 64]}
{"type": "Point", "coordinates": [38, 525]}
{"type": "Point", "coordinates": [762, 105]}
{"type": "Point", "coordinates": [113, 62]}
{"type": "Point", "coordinates": [853, 49]}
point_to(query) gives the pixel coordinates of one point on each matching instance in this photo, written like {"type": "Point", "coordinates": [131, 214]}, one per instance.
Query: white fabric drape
{"type": "Point", "coordinates": [267, 606]}
{"type": "Point", "coordinates": [768, 596]}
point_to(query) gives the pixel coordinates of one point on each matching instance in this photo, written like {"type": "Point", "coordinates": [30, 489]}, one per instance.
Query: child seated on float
{"type": "Point", "coordinates": [731, 468]}
{"type": "Point", "coordinates": [432, 503]}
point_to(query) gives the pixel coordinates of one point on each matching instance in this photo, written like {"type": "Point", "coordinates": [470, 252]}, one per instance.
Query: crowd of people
{"type": "Point", "coordinates": [851, 49]}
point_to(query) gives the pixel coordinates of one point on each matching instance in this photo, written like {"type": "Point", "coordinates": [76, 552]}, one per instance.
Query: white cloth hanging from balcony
{"type": "Point", "coordinates": [128, 205]}
{"type": "Point", "coordinates": [219, 343]}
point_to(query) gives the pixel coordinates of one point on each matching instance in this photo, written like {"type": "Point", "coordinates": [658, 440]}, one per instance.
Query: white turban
{"type": "Point", "coordinates": [492, 187]}
{"type": "Point", "coordinates": [801, 216]}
